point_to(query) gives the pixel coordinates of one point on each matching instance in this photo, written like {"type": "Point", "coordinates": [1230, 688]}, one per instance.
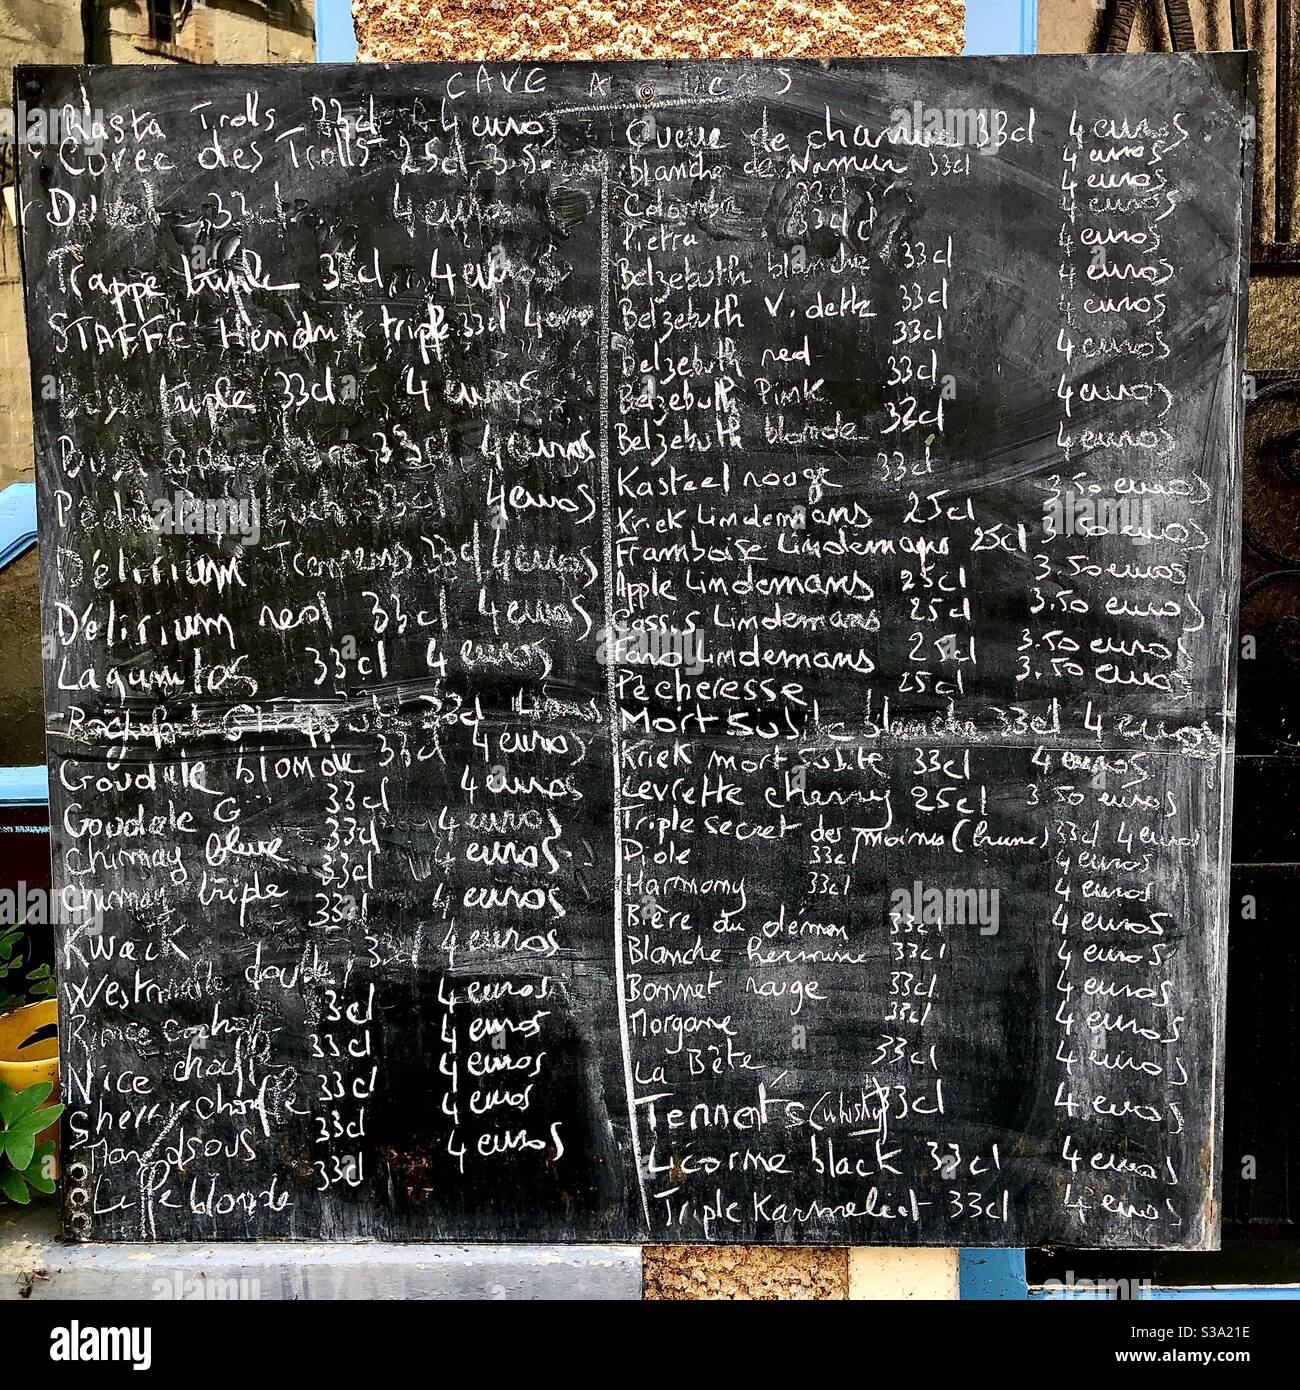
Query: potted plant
{"type": "Point", "coordinates": [29, 1075]}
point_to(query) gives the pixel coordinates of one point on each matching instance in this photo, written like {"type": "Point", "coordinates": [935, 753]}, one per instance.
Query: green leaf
{"type": "Point", "coordinates": [7, 1100]}
{"type": "Point", "coordinates": [13, 1187]}
{"type": "Point", "coordinates": [29, 1124]}
{"type": "Point", "coordinates": [34, 1122]}
{"type": "Point", "coordinates": [35, 1172]}
{"type": "Point", "coordinates": [29, 1098]}
{"type": "Point", "coordinates": [21, 1145]}
{"type": "Point", "coordinates": [41, 983]}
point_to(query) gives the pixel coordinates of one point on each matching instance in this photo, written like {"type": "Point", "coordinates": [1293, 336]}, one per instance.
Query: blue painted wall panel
{"type": "Point", "coordinates": [1001, 26]}
{"type": "Point", "coordinates": [336, 40]}
{"type": "Point", "coordinates": [986, 1275]}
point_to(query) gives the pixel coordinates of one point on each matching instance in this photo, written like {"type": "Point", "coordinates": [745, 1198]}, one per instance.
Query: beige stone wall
{"type": "Point", "coordinates": [38, 31]}
{"type": "Point", "coordinates": [218, 31]}
{"type": "Point", "coordinates": [15, 388]}
{"type": "Point", "coordinates": [433, 30]}
{"type": "Point", "coordinates": [486, 30]}
{"type": "Point", "coordinates": [31, 31]}
{"type": "Point", "coordinates": [242, 34]}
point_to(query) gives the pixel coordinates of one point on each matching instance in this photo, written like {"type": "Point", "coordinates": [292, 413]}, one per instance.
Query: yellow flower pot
{"type": "Point", "coordinates": [24, 1063]}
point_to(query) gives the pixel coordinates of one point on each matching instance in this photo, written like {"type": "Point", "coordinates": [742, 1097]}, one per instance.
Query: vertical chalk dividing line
{"type": "Point", "coordinates": [611, 687]}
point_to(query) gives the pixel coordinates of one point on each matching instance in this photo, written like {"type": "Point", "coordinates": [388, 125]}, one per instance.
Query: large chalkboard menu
{"type": "Point", "coordinates": [641, 651]}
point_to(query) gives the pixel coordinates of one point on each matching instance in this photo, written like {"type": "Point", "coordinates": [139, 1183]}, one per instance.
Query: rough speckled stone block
{"type": "Point", "coordinates": [450, 30]}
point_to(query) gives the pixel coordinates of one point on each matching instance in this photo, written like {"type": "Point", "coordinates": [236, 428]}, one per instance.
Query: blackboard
{"type": "Point", "coordinates": [641, 651]}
